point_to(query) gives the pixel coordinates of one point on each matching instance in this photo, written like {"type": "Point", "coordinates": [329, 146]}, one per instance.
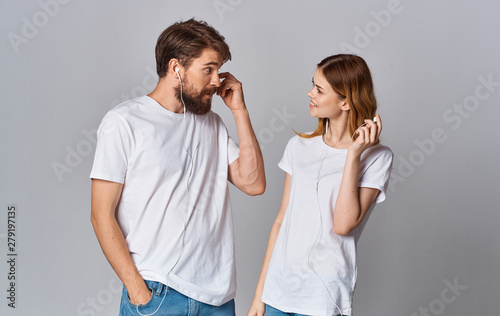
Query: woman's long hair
{"type": "Point", "coordinates": [349, 76]}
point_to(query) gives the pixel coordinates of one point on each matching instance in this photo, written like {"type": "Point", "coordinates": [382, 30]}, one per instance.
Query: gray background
{"type": "Point", "coordinates": [65, 66]}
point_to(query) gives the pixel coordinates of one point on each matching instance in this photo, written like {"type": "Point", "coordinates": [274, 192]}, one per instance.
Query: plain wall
{"type": "Point", "coordinates": [437, 78]}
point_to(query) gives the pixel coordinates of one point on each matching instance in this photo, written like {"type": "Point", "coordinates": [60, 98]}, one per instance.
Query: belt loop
{"type": "Point", "coordinates": [160, 288]}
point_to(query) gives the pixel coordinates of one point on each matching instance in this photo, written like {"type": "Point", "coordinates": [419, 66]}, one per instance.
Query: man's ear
{"type": "Point", "coordinates": [172, 64]}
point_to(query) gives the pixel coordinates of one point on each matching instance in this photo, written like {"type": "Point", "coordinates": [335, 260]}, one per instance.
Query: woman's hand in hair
{"type": "Point", "coordinates": [367, 136]}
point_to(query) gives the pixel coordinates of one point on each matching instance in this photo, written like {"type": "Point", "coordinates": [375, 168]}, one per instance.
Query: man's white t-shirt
{"type": "Point", "coordinates": [312, 269]}
{"type": "Point", "coordinates": [174, 211]}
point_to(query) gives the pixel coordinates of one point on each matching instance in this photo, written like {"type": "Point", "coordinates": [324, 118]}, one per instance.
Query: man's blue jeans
{"type": "Point", "coordinates": [166, 301]}
{"type": "Point", "coordinates": [271, 311]}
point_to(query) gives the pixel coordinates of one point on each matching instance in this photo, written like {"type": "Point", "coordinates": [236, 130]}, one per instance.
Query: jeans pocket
{"type": "Point", "coordinates": [158, 293]}
{"type": "Point", "coordinates": [151, 288]}
{"type": "Point", "coordinates": [135, 305]}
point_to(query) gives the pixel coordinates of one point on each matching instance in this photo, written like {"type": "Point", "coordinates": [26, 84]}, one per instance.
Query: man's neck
{"type": "Point", "coordinates": [164, 94]}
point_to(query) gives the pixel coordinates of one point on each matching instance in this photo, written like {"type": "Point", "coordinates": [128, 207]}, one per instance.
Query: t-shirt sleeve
{"type": "Point", "coordinates": [114, 142]}
{"type": "Point", "coordinates": [286, 161]}
{"type": "Point", "coordinates": [377, 171]}
{"type": "Point", "coordinates": [233, 150]}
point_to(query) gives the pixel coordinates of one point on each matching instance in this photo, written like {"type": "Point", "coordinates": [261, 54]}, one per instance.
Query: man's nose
{"type": "Point", "coordinates": [215, 80]}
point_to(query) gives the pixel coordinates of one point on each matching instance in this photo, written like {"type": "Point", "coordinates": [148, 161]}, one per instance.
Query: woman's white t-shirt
{"type": "Point", "coordinates": [312, 269]}
{"type": "Point", "coordinates": [174, 209]}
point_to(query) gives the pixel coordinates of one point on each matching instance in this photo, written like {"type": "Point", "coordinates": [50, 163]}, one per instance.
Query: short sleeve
{"type": "Point", "coordinates": [286, 161]}
{"type": "Point", "coordinates": [233, 150]}
{"type": "Point", "coordinates": [114, 142]}
{"type": "Point", "coordinates": [376, 171]}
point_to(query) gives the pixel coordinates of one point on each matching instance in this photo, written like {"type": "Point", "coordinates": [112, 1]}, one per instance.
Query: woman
{"type": "Point", "coordinates": [333, 176]}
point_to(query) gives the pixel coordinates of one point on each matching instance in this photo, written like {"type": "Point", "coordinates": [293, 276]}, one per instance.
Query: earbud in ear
{"type": "Point", "coordinates": [375, 119]}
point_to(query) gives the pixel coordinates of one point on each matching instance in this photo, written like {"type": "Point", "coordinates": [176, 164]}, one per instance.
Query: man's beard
{"type": "Point", "coordinates": [195, 103]}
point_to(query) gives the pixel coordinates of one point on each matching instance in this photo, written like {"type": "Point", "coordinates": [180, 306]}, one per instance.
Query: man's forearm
{"type": "Point", "coordinates": [116, 251]}
{"type": "Point", "coordinates": [251, 163]}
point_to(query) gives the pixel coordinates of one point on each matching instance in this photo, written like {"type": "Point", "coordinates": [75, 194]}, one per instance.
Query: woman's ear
{"type": "Point", "coordinates": [345, 106]}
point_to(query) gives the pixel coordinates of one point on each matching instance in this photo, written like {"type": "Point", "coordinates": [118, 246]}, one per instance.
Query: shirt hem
{"type": "Point", "coordinates": [107, 178]}
{"type": "Point", "coordinates": [203, 298]}
{"type": "Point", "coordinates": [285, 168]}
{"type": "Point", "coordinates": [288, 309]}
{"type": "Point", "coordinates": [381, 196]}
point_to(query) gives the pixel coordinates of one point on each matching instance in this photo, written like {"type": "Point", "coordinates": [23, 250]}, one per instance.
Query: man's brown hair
{"type": "Point", "coordinates": [186, 41]}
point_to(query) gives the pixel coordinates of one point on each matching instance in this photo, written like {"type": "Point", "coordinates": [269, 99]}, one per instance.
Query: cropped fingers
{"type": "Point", "coordinates": [229, 82]}
{"type": "Point", "coordinates": [363, 134]}
{"type": "Point", "coordinates": [375, 128]}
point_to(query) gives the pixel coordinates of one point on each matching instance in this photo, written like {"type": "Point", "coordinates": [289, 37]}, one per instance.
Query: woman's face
{"type": "Point", "coordinates": [325, 103]}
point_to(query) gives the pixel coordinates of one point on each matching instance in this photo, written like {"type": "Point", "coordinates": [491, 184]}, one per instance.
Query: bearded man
{"type": "Point", "coordinates": [160, 197]}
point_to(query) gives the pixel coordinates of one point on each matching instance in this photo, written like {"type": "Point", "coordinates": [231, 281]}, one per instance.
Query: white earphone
{"type": "Point", "coordinates": [352, 137]}
{"type": "Point", "coordinates": [176, 69]}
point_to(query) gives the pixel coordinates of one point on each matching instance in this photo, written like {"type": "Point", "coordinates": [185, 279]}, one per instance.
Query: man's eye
{"type": "Point", "coordinates": [208, 70]}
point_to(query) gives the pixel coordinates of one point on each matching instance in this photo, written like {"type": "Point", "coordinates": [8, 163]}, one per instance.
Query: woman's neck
{"type": "Point", "coordinates": [337, 134]}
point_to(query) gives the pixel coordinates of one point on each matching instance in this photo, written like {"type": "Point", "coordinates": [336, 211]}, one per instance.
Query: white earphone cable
{"type": "Point", "coordinates": [187, 203]}
{"type": "Point", "coordinates": [321, 221]}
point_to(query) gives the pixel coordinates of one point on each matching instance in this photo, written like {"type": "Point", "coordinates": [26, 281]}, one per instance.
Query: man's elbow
{"type": "Point", "coordinates": [260, 189]}
{"type": "Point", "coordinates": [256, 189]}
{"type": "Point", "coordinates": [343, 230]}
